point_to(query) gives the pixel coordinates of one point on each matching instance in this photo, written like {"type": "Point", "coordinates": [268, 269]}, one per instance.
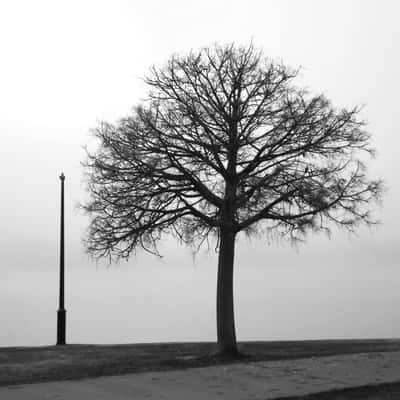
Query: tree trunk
{"type": "Point", "coordinates": [225, 315]}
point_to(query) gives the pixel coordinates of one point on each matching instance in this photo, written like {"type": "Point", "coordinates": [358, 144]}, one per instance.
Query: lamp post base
{"type": "Point", "coordinates": [61, 324]}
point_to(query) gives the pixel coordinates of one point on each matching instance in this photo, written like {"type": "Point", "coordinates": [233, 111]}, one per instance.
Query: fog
{"type": "Point", "coordinates": [66, 66]}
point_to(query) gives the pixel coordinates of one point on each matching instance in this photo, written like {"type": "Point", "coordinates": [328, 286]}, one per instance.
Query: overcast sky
{"type": "Point", "coordinates": [65, 65]}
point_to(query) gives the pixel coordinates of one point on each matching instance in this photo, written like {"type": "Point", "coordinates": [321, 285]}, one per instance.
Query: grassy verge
{"type": "Point", "coordinates": [38, 364]}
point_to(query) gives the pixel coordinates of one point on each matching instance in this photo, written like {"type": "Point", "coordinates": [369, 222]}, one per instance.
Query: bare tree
{"type": "Point", "coordinates": [225, 143]}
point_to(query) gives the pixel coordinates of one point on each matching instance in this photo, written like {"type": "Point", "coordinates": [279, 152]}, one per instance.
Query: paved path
{"type": "Point", "coordinates": [250, 381]}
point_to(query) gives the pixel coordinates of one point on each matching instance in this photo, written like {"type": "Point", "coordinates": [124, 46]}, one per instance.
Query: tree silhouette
{"type": "Point", "coordinates": [225, 143]}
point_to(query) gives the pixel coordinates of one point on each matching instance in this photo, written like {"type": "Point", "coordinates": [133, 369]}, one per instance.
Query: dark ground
{"type": "Point", "coordinates": [39, 364]}
{"type": "Point", "coordinates": [389, 391]}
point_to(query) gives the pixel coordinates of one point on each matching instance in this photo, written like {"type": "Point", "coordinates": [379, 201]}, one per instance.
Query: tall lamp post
{"type": "Point", "coordinates": [61, 313]}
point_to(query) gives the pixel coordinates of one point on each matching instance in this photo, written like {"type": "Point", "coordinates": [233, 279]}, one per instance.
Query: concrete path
{"type": "Point", "coordinates": [250, 381]}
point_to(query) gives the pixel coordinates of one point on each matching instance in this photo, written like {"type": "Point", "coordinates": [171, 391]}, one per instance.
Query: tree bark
{"type": "Point", "coordinates": [225, 311]}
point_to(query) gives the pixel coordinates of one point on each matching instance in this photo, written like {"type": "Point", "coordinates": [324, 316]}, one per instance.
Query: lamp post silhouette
{"type": "Point", "coordinates": [61, 313]}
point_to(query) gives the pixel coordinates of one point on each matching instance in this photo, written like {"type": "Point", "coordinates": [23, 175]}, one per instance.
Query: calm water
{"type": "Point", "coordinates": [174, 300]}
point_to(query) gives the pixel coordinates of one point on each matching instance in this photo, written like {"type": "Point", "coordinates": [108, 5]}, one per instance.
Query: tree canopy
{"type": "Point", "coordinates": [226, 115]}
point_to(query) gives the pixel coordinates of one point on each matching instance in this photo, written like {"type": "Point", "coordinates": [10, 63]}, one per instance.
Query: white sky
{"type": "Point", "coordinates": [66, 65]}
